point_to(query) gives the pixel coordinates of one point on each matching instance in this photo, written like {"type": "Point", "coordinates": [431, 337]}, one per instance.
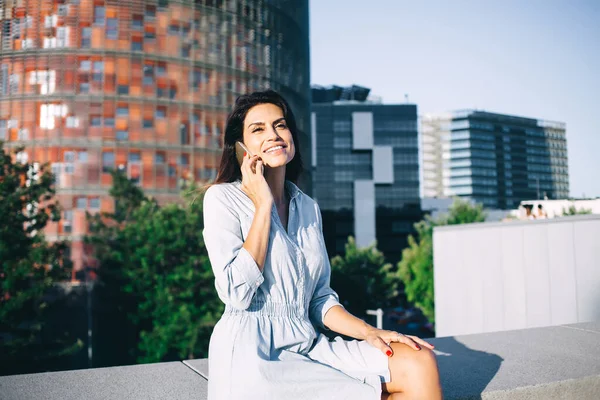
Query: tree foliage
{"type": "Point", "coordinates": [29, 265]}
{"type": "Point", "coordinates": [363, 280]}
{"type": "Point", "coordinates": [572, 210]}
{"type": "Point", "coordinates": [152, 258]}
{"type": "Point", "coordinates": [416, 267]}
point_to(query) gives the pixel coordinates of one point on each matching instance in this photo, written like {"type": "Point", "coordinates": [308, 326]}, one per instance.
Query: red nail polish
{"type": "Point", "coordinates": [388, 353]}
{"type": "Point", "coordinates": [418, 347]}
{"type": "Point", "coordinates": [245, 154]}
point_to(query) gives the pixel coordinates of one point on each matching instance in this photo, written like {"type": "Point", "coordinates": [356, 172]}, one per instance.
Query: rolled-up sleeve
{"type": "Point", "coordinates": [237, 276]}
{"type": "Point", "coordinates": [324, 297]}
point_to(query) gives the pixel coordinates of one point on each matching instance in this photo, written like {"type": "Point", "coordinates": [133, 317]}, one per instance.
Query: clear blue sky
{"type": "Point", "coordinates": [538, 59]}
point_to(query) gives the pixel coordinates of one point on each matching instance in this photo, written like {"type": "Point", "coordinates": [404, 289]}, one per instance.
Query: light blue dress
{"type": "Point", "coordinates": [265, 345]}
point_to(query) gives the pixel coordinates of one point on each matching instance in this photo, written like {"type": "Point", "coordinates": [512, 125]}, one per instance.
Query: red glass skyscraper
{"type": "Point", "coordinates": [143, 86]}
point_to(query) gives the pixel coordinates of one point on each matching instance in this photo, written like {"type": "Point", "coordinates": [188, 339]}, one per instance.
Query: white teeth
{"type": "Point", "coordinates": [274, 148]}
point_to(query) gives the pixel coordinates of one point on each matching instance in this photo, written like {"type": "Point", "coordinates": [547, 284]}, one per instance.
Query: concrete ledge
{"type": "Point", "coordinates": [539, 363]}
{"type": "Point", "coordinates": [557, 362]}
{"type": "Point", "coordinates": [172, 380]}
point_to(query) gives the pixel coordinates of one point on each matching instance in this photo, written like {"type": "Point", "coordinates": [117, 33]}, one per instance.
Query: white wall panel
{"type": "Point", "coordinates": [362, 130]}
{"type": "Point", "coordinates": [504, 276]}
{"type": "Point", "coordinates": [364, 212]}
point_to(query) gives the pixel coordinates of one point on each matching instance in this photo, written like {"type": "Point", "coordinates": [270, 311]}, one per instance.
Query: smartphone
{"type": "Point", "coordinates": [240, 149]}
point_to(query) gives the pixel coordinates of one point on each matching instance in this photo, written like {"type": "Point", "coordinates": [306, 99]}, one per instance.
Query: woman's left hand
{"type": "Point", "coordinates": [381, 339]}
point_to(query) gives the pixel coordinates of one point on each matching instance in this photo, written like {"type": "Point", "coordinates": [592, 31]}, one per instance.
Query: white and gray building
{"type": "Point", "coordinates": [365, 166]}
{"type": "Point", "coordinates": [495, 159]}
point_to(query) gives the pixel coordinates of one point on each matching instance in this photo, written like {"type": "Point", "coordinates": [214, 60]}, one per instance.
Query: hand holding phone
{"type": "Point", "coordinates": [240, 149]}
{"type": "Point", "coordinates": [254, 185]}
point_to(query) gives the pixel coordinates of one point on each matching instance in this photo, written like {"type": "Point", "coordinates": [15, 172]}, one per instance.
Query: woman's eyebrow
{"type": "Point", "coordinates": [262, 123]}
{"type": "Point", "coordinates": [256, 123]}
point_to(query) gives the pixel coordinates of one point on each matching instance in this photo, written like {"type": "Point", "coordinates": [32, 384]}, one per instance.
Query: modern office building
{"type": "Point", "coordinates": [495, 159]}
{"type": "Point", "coordinates": [365, 169]}
{"type": "Point", "coordinates": [143, 86]}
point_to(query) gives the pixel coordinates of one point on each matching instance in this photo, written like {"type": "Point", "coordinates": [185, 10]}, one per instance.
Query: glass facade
{"type": "Point", "coordinates": [142, 86]}
{"type": "Point", "coordinates": [500, 160]}
{"type": "Point", "coordinates": [339, 165]}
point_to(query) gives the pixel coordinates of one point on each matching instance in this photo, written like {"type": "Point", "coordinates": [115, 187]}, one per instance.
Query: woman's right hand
{"type": "Point", "coordinates": [254, 183]}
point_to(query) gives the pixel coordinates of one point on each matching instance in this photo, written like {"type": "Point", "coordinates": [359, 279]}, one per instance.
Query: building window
{"type": "Point", "coordinates": [150, 11]}
{"type": "Point", "coordinates": [122, 111]}
{"type": "Point", "coordinates": [96, 121]}
{"type": "Point", "coordinates": [137, 23]}
{"type": "Point", "coordinates": [82, 156]}
{"type": "Point", "coordinates": [135, 157]}
{"type": "Point", "coordinates": [97, 76]}
{"type": "Point", "coordinates": [160, 158]}
{"type": "Point", "coordinates": [72, 122]}
{"type": "Point", "coordinates": [148, 80]}
{"type": "Point", "coordinates": [69, 156]}
{"type": "Point", "coordinates": [86, 38]}
{"type": "Point", "coordinates": [81, 203]}
{"type": "Point", "coordinates": [109, 122]}
{"type": "Point", "coordinates": [112, 28]}
{"type": "Point", "coordinates": [148, 123]}
{"type": "Point", "coordinates": [122, 135]}
{"type": "Point", "coordinates": [184, 137]}
{"type": "Point", "coordinates": [122, 89]}
{"type": "Point", "coordinates": [99, 14]}
{"type": "Point", "coordinates": [184, 159]}
{"type": "Point", "coordinates": [84, 87]}
{"type": "Point", "coordinates": [161, 70]}
{"type": "Point", "coordinates": [95, 203]}
{"type": "Point", "coordinates": [160, 112]}
{"type": "Point", "coordinates": [185, 50]}
{"type": "Point", "coordinates": [67, 221]}
{"type": "Point", "coordinates": [108, 161]}
{"type": "Point", "coordinates": [136, 45]}
{"type": "Point", "coordinates": [85, 65]}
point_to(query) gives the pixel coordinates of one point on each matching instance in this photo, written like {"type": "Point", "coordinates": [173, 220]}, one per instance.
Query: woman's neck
{"type": "Point", "coordinates": [276, 180]}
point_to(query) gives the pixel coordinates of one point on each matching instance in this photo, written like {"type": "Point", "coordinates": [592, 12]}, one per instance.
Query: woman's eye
{"type": "Point", "coordinates": [281, 126]}
{"type": "Point", "coordinates": [257, 130]}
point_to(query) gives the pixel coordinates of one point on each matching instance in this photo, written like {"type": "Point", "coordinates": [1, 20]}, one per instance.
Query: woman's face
{"type": "Point", "coordinates": [265, 128]}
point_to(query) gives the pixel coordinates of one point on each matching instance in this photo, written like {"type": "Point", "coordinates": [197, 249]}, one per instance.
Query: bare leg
{"type": "Point", "coordinates": [414, 374]}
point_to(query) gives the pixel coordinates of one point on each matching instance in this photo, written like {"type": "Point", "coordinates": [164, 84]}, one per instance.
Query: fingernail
{"type": "Point", "coordinates": [418, 347]}
{"type": "Point", "coordinates": [245, 154]}
{"type": "Point", "coordinates": [388, 353]}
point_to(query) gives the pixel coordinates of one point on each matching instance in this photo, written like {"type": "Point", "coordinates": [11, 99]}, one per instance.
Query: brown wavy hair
{"type": "Point", "coordinates": [229, 170]}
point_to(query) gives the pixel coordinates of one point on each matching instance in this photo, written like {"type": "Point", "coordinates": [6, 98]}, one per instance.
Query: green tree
{"type": "Point", "coordinates": [572, 210]}
{"type": "Point", "coordinates": [363, 280]}
{"type": "Point", "coordinates": [416, 267]}
{"type": "Point", "coordinates": [29, 266]}
{"type": "Point", "coordinates": [154, 256]}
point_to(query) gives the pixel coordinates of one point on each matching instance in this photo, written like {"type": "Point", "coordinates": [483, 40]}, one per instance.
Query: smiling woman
{"type": "Point", "coordinates": [264, 238]}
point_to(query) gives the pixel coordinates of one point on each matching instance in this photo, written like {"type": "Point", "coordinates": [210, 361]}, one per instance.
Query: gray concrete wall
{"type": "Point", "coordinates": [500, 276]}
{"type": "Point", "coordinates": [541, 363]}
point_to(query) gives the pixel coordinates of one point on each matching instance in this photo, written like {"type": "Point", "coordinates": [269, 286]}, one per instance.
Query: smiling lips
{"type": "Point", "coordinates": [275, 149]}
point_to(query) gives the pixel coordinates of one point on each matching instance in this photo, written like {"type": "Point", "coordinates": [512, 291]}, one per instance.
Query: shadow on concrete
{"type": "Point", "coordinates": [464, 373]}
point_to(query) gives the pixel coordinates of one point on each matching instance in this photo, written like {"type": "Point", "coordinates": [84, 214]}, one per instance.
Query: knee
{"type": "Point", "coordinates": [415, 363]}
{"type": "Point", "coordinates": [414, 372]}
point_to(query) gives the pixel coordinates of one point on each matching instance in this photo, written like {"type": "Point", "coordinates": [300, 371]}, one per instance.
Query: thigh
{"type": "Point", "coordinates": [356, 358]}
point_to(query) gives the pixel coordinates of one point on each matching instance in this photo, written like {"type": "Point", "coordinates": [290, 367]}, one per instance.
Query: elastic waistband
{"type": "Point", "coordinates": [267, 308]}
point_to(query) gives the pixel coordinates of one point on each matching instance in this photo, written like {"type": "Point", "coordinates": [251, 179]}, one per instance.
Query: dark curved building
{"type": "Point", "coordinates": [143, 86]}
